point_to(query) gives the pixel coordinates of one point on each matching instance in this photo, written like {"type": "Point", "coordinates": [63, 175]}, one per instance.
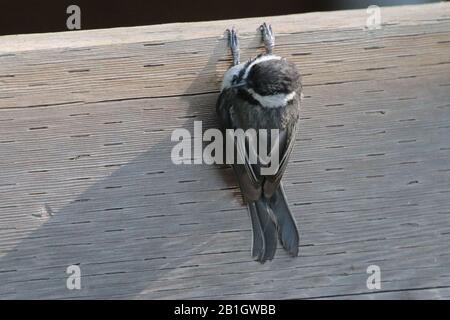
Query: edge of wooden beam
{"type": "Point", "coordinates": [346, 19]}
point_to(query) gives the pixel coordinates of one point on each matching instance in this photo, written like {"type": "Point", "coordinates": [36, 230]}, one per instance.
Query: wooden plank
{"type": "Point", "coordinates": [86, 176]}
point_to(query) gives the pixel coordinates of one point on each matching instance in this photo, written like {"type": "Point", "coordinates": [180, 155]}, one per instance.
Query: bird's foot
{"type": "Point", "coordinates": [233, 41]}
{"type": "Point", "coordinates": [267, 37]}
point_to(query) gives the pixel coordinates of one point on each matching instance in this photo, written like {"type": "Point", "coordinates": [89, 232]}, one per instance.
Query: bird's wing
{"type": "Point", "coordinates": [248, 175]}
{"type": "Point", "coordinates": [286, 145]}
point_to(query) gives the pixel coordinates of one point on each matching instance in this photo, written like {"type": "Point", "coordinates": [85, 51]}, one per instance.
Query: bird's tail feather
{"type": "Point", "coordinates": [287, 228]}
{"type": "Point", "coordinates": [264, 231]}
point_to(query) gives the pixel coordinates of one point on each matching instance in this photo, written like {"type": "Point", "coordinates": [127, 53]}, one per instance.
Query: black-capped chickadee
{"type": "Point", "coordinates": [263, 93]}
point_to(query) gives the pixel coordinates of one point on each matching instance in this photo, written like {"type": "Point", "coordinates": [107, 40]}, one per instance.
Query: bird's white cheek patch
{"type": "Point", "coordinates": [274, 100]}
{"type": "Point", "coordinates": [230, 74]}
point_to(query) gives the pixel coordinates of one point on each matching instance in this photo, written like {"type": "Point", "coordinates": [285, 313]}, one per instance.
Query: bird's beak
{"type": "Point", "coordinates": [238, 85]}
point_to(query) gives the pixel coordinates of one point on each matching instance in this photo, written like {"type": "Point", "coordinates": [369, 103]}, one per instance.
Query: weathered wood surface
{"type": "Point", "coordinates": [86, 176]}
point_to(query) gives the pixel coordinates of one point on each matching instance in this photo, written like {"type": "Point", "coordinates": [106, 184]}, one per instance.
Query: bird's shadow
{"type": "Point", "coordinates": [127, 249]}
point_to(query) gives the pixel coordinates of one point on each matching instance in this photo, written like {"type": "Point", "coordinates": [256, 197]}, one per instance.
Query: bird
{"type": "Point", "coordinates": [264, 92]}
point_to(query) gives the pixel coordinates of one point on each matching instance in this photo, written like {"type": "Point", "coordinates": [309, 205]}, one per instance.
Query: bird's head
{"type": "Point", "coordinates": [270, 79]}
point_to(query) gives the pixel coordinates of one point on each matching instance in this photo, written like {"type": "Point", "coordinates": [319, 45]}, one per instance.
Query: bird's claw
{"type": "Point", "coordinates": [267, 37]}
{"type": "Point", "coordinates": [233, 41]}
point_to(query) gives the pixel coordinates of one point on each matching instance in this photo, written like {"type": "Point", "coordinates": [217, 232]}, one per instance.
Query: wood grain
{"type": "Point", "coordinates": [86, 176]}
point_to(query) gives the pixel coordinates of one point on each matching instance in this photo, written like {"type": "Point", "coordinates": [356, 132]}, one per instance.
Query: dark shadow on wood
{"type": "Point", "coordinates": [117, 257]}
